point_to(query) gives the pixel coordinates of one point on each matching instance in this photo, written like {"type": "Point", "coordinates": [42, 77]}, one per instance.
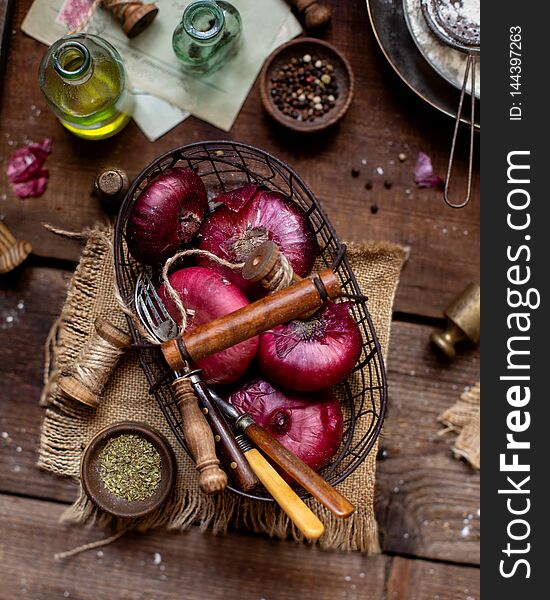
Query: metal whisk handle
{"type": "Point", "coordinates": [469, 71]}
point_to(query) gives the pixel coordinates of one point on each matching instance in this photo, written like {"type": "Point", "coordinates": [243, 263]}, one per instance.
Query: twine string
{"type": "Point", "coordinates": [91, 545]}
{"type": "Point", "coordinates": [174, 296]}
{"type": "Point", "coordinates": [281, 276]}
{"type": "Point", "coordinates": [95, 363]}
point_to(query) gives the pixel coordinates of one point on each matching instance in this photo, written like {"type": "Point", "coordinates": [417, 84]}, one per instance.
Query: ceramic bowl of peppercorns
{"type": "Point", "coordinates": [306, 85]}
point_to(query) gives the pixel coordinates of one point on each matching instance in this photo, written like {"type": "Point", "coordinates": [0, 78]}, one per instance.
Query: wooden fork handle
{"type": "Point", "coordinates": [275, 309]}
{"type": "Point", "coordinates": [338, 504]}
{"type": "Point", "coordinates": [199, 439]}
{"type": "Point", "coordinates": [298, 512]}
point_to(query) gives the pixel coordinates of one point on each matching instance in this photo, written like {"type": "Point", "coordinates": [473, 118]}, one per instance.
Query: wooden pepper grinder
{"type": "Point", "coordinates": [463, 321]}
{"type": "Point", "coordinates": [313, 13]}
{"type": "Point", "coordinates": [12, 251]}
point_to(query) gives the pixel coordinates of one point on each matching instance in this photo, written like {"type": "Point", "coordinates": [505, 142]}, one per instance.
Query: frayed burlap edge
{"type": "Point", "coordinates": [463, 418]}
{"type": "Point", "coordinates": [377, 267]}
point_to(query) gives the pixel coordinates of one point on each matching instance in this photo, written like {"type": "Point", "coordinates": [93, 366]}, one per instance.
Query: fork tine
{"type": "Point", "coordinates": [145, 315]}
{"type": "Point", "coordinates": [152, 308]}
{"type": "Point", "coordinates": [160, 304]}
{"type": "Point", "coordinates": [152, 311]}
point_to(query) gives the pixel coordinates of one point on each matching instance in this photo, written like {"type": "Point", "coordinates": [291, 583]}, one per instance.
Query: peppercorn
{"type": "Point", "coordinates": [374, 208]}
{"type": "Point", "coordinates": [388, 184]}
{"type": "Point", "coordinates": [303, 89]}
{"type": "Point", "coordinates": [368, 184]}
{"type": "Point", "coordinates": [355, 172]}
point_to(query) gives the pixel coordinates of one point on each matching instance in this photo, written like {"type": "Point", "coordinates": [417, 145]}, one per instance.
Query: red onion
{"type": "Point", "coordinates": [312, 354]}
{"type": "Point", "coordinates": [25, 169]}
{"type": "Point", "coordinates": [309, 425]}
{"type": "Point", "coordinates": [166, 215]}
{"type": "Point", "coordinates": [424, 173]}
{"type": "Point", "coordinates": [250, 216]}
{"type": "Point", "coordinates": [211, 296]}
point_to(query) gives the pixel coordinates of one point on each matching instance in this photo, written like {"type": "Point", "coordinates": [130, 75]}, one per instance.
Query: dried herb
{"type": "Point", "coordinates": [130, 467]}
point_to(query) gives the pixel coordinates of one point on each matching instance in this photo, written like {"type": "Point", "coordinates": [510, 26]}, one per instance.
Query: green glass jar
{"type": "Point", "coordinates": [207, 36]}
{"type": "Point", "coordinates": [83, 80]}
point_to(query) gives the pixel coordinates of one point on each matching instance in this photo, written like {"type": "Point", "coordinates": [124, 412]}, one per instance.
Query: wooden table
{"type": "Point", "coordinates": [427, 502]}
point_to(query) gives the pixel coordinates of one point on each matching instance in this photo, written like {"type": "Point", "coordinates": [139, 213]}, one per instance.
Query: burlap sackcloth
{"type": "Point", "coordinates": [68, 426]}
{"type": "Point", "coordinates": [463, 418]}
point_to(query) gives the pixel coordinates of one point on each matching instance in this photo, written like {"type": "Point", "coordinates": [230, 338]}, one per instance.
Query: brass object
{"type": "Point", "coordinates": [463, 321]}
{"type": "Point", "coordinates": [12, 251]}
{"type": "Point", "coordinates": [110, 186]}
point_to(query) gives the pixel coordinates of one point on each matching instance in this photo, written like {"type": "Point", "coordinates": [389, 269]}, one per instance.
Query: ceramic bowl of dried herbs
{"type": "Point", "coordinates": [128, 469]}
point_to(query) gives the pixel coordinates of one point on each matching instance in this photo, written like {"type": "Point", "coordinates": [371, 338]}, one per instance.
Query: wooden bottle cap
{"type": "Point", "coordinates": [261, 262]}
{"type": "Point", "coordinates": [137, 17]}
{"type": "Point", "coordinates": [12, 251]}
{"type": "Point", "coordinates": [73, 389]}
{"type": "Point", "coordinates": [110, 333]}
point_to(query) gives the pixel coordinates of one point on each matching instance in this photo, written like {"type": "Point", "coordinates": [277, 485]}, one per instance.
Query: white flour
{"type": "Point", "coordinates": [467, 10]}
{"type": "Point", "coordinates": [448, 62]}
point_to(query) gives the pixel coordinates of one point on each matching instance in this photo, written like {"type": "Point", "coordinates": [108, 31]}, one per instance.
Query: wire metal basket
{"type": "Point", "coordinates": [224, 166]}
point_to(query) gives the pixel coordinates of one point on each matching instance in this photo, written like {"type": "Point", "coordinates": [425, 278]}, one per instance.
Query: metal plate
{"type": "Point", "coordinates": [391, 32]}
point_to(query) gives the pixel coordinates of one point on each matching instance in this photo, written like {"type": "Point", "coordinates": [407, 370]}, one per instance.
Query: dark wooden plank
{"type": "Point", "coordinates": [385, 119]}
{"type": "Point", "coordinates": [427, 501]}
{"type": "Point", "coordinates": [30, 299]}
{"type": "Point", "coordinates": [424, 494]}
{"type": "Point", "coordinates": [161, 565]}
{"type": "Point", "coordinates": [6, 7]}
{"type": "Point", "coordinates": [423, 580]}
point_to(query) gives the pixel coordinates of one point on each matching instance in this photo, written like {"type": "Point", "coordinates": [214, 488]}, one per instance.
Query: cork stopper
{"type": "Point", "coordinates": [316, 16]}
{"type": "Point", "coordinates": [111, 185]}
{"type": "Point", "coordinates": [12, 251]}
{"type": "Point", "coordinates": [137, 17]}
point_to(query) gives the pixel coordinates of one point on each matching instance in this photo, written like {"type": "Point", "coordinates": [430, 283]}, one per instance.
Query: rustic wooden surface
{"type": "Point", "coordinates": [427, 502]}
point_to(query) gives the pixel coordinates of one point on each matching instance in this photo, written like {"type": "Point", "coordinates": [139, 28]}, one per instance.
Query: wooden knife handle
{"type": "Point", "coordinates": [199, 439]}
{"type": "Point", "coordinates": [298, 512]}
{"type": "Point", "coordinates": [275, 309]}
{"type": "Point", "coordinates": [232, 456]}
{"type": "Point", "coordinates": [338, 504]}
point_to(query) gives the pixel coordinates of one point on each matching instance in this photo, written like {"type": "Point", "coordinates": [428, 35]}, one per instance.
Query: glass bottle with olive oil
{"type": "Point", "coordinates": [82, 78]}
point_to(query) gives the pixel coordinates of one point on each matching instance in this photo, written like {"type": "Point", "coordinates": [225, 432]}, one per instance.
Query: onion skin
{"type": "Point", "coordinates": [166, 215]}
{"type": "Point", "coordinates": [313, 354]}
{"type": "Point", "coordinates": [250, 216]}
{"type": "Point", "coordinates": [309, 425]}
{"type": "Point", "coordinates": [211, 296]}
